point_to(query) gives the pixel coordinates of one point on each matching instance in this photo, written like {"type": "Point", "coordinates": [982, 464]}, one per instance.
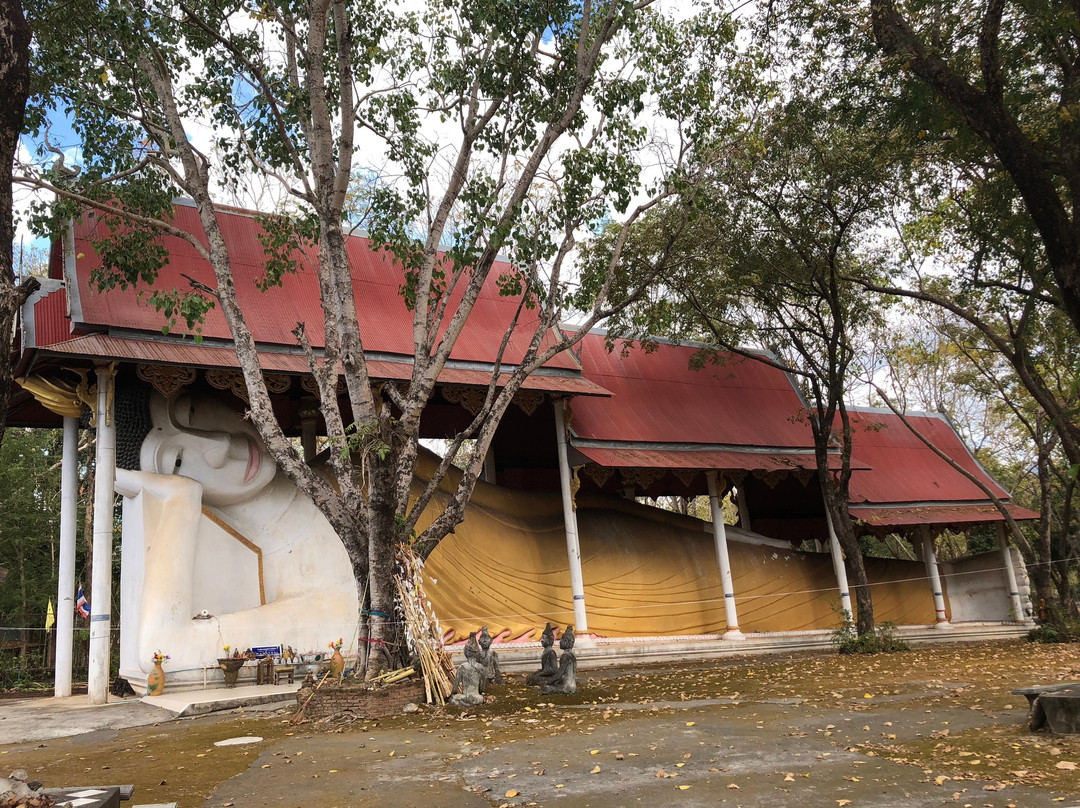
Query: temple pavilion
{"type": "Point", "coordinates": [606, 427]}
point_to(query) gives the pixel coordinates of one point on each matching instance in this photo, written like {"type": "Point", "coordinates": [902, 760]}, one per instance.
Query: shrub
{"type": "Point", "coordinates": [1055, 631]}
{"type": "Point", "coordinates": [883, 640]}
{"type": "Point", "coordinates": [1054, 626]}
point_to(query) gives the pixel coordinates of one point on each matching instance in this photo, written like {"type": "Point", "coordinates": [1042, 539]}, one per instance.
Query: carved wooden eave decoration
{"type": "Point", "coordinates": [233, 381]}
{"type": "Point", "coordinates": [308, 385]}
{"type": "Point", "coordinates": [599, 474]}
{"type": "Point", "coordinates": [640, 478]}
{"type": "Point", "coordinates": [470, 398]}
{"type": "Point", "coordinates": [529, 400]}
{"type": "Point", "coordinates": [686, 476]}
{"type": "Point", "coordinates": [770, 478]}
{"type": "Point", "coordinates": [166, 379]}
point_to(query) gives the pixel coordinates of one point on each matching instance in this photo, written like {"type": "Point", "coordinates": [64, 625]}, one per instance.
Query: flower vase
{"type": "Point", "coordinates": [337, 664]}
{"type": "Point", "coordinates": [155, 681]}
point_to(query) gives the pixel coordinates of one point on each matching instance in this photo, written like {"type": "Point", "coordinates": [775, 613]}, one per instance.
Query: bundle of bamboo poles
{"type": "Point", "coordinates": [422, 628]}
{"type": "Point", "coordinates": [393, 677]}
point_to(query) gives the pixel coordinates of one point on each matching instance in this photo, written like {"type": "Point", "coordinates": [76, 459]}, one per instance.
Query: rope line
{"type": "Point", "coordinates": [480, 619]}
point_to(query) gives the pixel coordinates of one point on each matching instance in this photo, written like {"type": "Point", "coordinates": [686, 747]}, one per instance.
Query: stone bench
{"type": "Point", "coordinates": [1062, 710]}
{"type": "Point", "coordinates": [1037, 716]}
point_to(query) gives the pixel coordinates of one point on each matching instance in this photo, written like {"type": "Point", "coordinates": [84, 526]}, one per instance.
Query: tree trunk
{"type": "Point", "coordinates": [20, 553]}
{"type": "Point", "coordinates": [1069, 543]}
{"type": "Point", "coordinates": [14, 90]}
{"type": "Point", "coordinates": [836, 496]}
{"type": "Point", "coordinates": [88, 522]}
{"type": "Point", "coordinates": [849, 543]}
{"type": "Point", "coordinates": [386, 651]}
{"type": "Point", "coordinates": [1040, 568]}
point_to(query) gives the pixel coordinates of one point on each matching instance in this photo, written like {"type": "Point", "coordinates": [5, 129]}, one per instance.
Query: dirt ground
{"type": "Point", "coordinates": [931, 727]}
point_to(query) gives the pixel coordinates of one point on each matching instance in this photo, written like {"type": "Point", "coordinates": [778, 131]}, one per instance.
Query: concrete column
{"type": "Point", "coordinates": [573, 547]}
{"type": "Point", "coordinates": [309, 422]}
{"type": "Point", "coordinates": [932, 572]}
{"type": "Point", "coordinates": [1010, 574]}
{"type": "Point", "coordinates": [744, 510]}
{"type": "Point", "coordinates": [838, 567]}
{"type": "Point", "coordinates": [720, 538]}
{"type": "Point", "coordinates": [65, 588]}
{"type": "Point", "coordinates": [104, 493]}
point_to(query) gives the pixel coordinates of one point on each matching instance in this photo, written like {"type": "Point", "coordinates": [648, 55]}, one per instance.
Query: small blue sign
{"type": "Point", "coordinates": [266, 650]}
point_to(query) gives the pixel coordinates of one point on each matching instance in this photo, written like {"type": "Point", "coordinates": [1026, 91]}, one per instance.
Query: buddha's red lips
{"type": "Point", "coordinates": [254, 461]}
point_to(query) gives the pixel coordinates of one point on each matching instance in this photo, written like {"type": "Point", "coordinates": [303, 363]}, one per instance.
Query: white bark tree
{"type": "Point", "coordinates": [490, 127]}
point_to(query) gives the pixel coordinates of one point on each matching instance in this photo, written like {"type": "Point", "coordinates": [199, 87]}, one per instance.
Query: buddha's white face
{"type": "Point", "coordinates": [203, 439]}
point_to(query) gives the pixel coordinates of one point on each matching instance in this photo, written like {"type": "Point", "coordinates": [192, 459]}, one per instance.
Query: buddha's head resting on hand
{"type": "Point", "coordinates": [200, 438]}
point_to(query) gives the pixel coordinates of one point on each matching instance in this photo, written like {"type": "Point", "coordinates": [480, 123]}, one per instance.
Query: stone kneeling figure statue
{"type": "Point", "coordinates": [471, 679]}
{"type": "Point", "coordinates": [549, 660]}
{"type": "Point", "coordinates": [565, 679]}
{"type": "Point", "coordinates": [489, 659]}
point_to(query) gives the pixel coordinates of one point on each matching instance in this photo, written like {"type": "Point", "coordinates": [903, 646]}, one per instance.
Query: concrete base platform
{"type": "Point", "coordinates": [595, 652]}
{"type": "Point", "coordinates": [197, 702]}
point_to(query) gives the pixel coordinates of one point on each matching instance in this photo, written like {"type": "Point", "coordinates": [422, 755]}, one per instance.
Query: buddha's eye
{"type": "Point", "coordinates": [179, 461]}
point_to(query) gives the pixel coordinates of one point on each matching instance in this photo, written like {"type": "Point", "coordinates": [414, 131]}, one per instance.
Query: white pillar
{"type": "Point", "coordinates": [720, 538]}
{"type": "Point", "coordinates": [65, 588]}
{"type": "Point", "coordinates": [104, 493]}
{"type": "Point", "coordinates": [1010, 574]}
{"type": "Point", "coordinates": [838, 567]}
{"type": "Point", "coordinates": [744, 509]}
{"type": "Point", "coordinates": [932, 572]}
{"type": "Point", "coordinates": [573, 547]}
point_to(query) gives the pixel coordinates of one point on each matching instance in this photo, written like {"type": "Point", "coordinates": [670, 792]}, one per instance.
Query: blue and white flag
{"type": "Point", "coordinates": [82, 604]}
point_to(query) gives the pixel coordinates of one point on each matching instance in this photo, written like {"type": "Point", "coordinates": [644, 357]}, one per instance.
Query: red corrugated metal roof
{"type": "Point", "coordinates": [658, 397]}
{"type": "Point", "coordinates": [904, 469]}
{"type": "Point", "coordinates": [51, 323]}
{"type": "Point", "coordinates": [385, 323]}
{"type": "Point", "coordinates": [946, 514]}
{"type": "Point", "coordinates": [187, 353]}
{"type": "Point", "coordinates": [710, 459]}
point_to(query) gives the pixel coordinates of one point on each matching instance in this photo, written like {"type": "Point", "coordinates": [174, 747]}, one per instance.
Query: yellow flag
{"type": "Point", "coordinates": [50, 618]}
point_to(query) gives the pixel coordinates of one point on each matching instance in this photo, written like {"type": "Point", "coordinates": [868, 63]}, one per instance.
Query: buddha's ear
{"type": "Point", "coordinates": [174, 405]}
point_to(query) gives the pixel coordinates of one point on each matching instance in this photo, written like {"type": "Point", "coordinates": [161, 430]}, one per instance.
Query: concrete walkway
{"type": "Point", "coordinates": [183, 703]}
{"type": "Point", "coordinates": [26, 720]}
